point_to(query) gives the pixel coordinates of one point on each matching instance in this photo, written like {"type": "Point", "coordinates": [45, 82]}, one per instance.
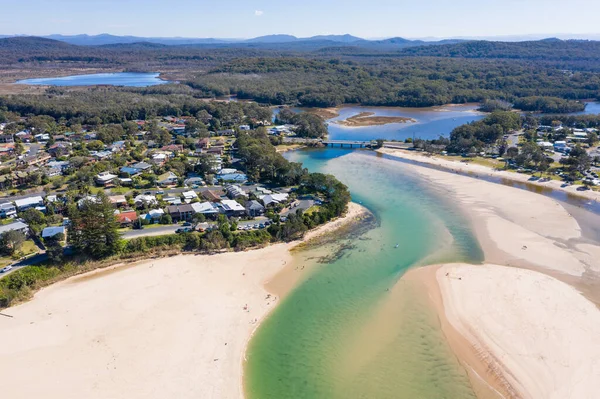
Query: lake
{"type": "Point", "coordinates": [132, 79]}
{"type": "Point", "coordinates": [431, 122]}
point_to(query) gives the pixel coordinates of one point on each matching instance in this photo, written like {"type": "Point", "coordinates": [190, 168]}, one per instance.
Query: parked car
{"type": "Point", "coordinates": [6, 269]}
{"type": "Point", "coordinates": [160, 192]}
{"type": "Point", "coordinates": [186, 224]}
{"type": "Point", "coordinates": [184, 230]}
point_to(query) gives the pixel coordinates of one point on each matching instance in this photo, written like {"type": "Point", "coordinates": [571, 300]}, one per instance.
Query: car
{"type": "Point", "coordinates": [160, 192]}
{"type": "Point", "coordinates": [186, 224]}
{"type": "Point", "coordinates": [6, 269]}
{"type": "Point", "coordinates": [183, 230]}
{"type": "Point", "coordinates": [148, 193]}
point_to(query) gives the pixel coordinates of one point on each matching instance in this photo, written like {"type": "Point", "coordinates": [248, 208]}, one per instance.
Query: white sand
{"type": "Point", "coordinates": [169, 328]}
{"type": "Point", "coordinates": [541, 332]}
{"type": "Point", "coordinates": [482, 170]}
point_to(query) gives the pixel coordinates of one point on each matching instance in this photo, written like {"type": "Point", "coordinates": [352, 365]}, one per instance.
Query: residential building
{"type": "Point", "coordinates": [189, 196]}
{"type": "Point", "coordinates": [126, 218]}
{"type": "Point", "coordinates": [194, 181]}
{"type": "Point", "coordinates": [233, 177]}
{"type": "Point", "coordinates": [153, 215]}
{"type": "Point", "coordinates": [254, 208]}
{"type": "Point", "coordinates": [205, 208]}
{"type": "Point", "coordinates": [144, 200]}
{"type": "Point", "coordinates": [244, 127]}
{"type": "Point", "coordinates": [7, 138]}
{"type": "Point", "coordinates": [105, 178]}
{"type": "Point", "coordinates": [167, 179]}
{"type": "Point", "coordinates": [270, 199]}
{"type": "Point", "coordinates": [159, 158]}
{"type": "Point", "coordinates": [117, 200]}
{"type": "Point", "coordinates": [16, 226]}
{"type": "Point", "coordinates": [52, 231]}
{"type": "Point", "coordinates": [234, 191]}
{"type": "Point", "coordinates": [29, 202]}
{"type": "Point", "coordinates": [142, 166]}
{"type": "Point", "coordinates": [203, 143]}
{"type": "Point", "coordinates": [232, 208]}
{"type": "Point", "coordinates": [7, 210]}
{"type": "Point", "coordinates": [226, 132]}
{"type": "Point", "coordinates": [180, 212]}
{"type": "Point", "coordinates": [211, 195]}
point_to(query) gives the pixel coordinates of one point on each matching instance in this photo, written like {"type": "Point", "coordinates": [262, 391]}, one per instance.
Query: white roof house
{"type": "Point", "coordinates": [274, 198]}
{"type": "Point", "coordinates": [143, 199]}
{"type": "Point", "coordinates": [226, 171]}
{"type": "Point", "coordinates": [105, 177]}
{"type": "Point", "coordinates": [153, 214]}
{"type": "Point", "coordinates": [205, 207]}
{"type": "Point", "coordinates": [233, 206]}
{"type": "Point", "coordinates": [16, 226]}
{"type": "Point", "coordinates": [189, 195]}
{"type": "Point", "coordinates": [29, 202]}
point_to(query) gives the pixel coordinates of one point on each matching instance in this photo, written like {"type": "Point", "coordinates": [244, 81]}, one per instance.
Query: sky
{"type": "Point", "coordinates": [302, 18]}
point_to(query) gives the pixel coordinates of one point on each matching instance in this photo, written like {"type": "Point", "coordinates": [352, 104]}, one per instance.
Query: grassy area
{"type": "Point", "coordinates": [28, 248]}
{"type": "Point", "coordinates": [311, 210]}
{"type": "Point", "coordinates": [488, 162]}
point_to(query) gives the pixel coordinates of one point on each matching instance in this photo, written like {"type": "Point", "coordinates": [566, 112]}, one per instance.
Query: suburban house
{"type": "Point", "coordinates": [117, 200]}
{"type": "Point", "coordinates": [211, 195]}
{"type": "Point", "coordinates": [153, 215]}
{"type": "Point", "coordinates": [226, 132]}
{"type": "Point", "coordinates": [105, 178]}
{"type": "Point", "coordinates": [7, 210]}
{"type": "Point", "coordinates": [172, 200]}
{"type": "Point", "coordinates": [194, 181]}
{"type": "Point", "coordinates": [167, 179]}
{"type": "Point", "coordinates": [159, 158]}
{"type": "Point", "coordinates": [203, 143]}
{"type": "Point", "coordinates": [232, 208]}
{"type": "Point", "coordinates": [126, 218]}
{"type": "Point", "coordinates": [59, 149]}
{"type": "Point", "coordinates": [6, 138]}
{"type": "Point", "coordinates": [189, 196]}
{"type": "Point", "coordinates": [244, 127]}
{"type": "Point", "coordinates": [145, 200]}
{"type": "Point", "coordinates": [16, 226]}
{"type": "Point", "coordinates": [52, 231]}
{"type": "Point", "coordinates": [142, 166]}
{"type": "Point", "coordinates": [205, 208]}
{"type": "Point", "coordinates": [36, 202]}
{"type": "Point", "coordinates": [254, 208]}
{"type": "Point", "coordinates": [234, 191]}
{"type": "Point", "coordinates": [180, 212]}
{"type": "Point", "coordinates": [273, 198]}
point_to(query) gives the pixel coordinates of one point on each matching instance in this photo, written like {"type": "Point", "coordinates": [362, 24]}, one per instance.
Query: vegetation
{"type": "Point", "coordinates": [476, 136]}
{"type": "Point", "coordinates": [548, 105]}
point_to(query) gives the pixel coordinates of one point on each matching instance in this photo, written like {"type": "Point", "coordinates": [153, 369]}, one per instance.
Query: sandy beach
{"type": "Point", "coordinates": [173, 327]}
{"type": "Point", "coordinates": [482, 170]}
{"type": "Point", "coordinates": [527, 328]}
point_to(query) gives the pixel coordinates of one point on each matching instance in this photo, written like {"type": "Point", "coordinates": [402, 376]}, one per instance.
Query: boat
{"type": "Point", "coordinates": [397, 245]}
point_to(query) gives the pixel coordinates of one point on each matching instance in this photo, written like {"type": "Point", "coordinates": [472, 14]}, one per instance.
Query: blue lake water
{"type": "Point", "coordinates": [133, 79]}
{"type": "Point", "coordinates": [431, 122]}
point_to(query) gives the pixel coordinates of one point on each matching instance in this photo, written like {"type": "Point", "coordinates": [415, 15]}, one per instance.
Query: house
{"type": "Point", "coordinates": [173, 200]}
{"type": "Point", "coordinates": [232, 208]}
{"type": "Point", "coordinates": [105, 178]}
{"type": "Point", "coordinates": [7, 138]}
{"type": "Point", "coordinates": [233, 177]}
{"type": "Point", "coordinates": [87, 199]}
{"type": "Point", "coordinates": [117, 200]}
{"type": "Point", "coordinates": [126, 218]}
{"type": "Point", "coordinates": [29, 202]}
{"type": "Point", "coordinates": [180, 212]}
{"type": "Point", "coordinates": [226, 132]}
{"type": "Point", "coordinates": [189, 196]}
{"type": "Point", "coordinates": [194, 181]}
{"type": "Point", "coordinates": [153, 215]}
{"type": "Point", "coordinates": [561, 146]}
{"type": "Point", "coordinates": [244, 127]}
{"type": "Point", "coordinates": [58, 164]}
{"type": "Point", "coordinates": [234, 191]}
{"type": "Point", "coordinates": [216, 150]}
{"type": "Point", "coordinates": [59, 149]}
{"type": "Point", "coordinates": [7, 210]}
{"type": "Point", "coordinates": [203, 143]}
{"type": "Point", "coordinates": [99, 155]}
{"type": "Point", "coordinates": [142, 166]}
{"type": "Point", "coordinates": [211, 195]}
{"type": "Point", "coordinates": [254, 208]}
{"type": "Point", "coordinates": [273, 198]}
{"type": "Point", "coordinates": [174, 148]}
{"type": "Point", "coordinates": [52, 231]}
{"type": "Point", "coordinates": [117, 146]}
{"type": "Point", "coordinates": [51, 172]}
{"type": "Point", "coordinates": [126, 181]}
{"type": "Point", "coordinates": [42, 137]}
{"type": "Point", "coordinates": [205, 208]}
{"type": "Point", "coordinates": [545, 145]}
{"type": "Point", "coordinates": [159, 158]}
{"type": "Point", "coordinates": [128, 170]}
{"type": "Point", "coordinates": [16, 226]}
{"type": "Point", "coordinates": [144, 200]}
{"type": "Point", "coordinates": [226, 171]}
{"type": "Point", "coordinates": [167, 179]}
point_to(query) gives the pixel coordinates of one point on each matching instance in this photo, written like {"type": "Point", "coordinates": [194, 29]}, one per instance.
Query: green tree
{"type": "Point", "coordinates": [94, 228]}
{"type": "Point", "coordinates": [11, 241]}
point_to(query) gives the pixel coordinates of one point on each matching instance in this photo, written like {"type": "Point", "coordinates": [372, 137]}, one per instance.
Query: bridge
{"type": "Point", "coordinates": [349, 143]}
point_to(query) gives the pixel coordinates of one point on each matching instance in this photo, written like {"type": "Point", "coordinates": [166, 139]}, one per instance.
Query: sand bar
{"type": "Point", "coordinates": [168, 328]}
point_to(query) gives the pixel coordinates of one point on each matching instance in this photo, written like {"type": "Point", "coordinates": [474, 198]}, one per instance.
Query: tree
{"type": "Point", "coordinates": [54, 249]}
{"type": "Point", "coordinates": [33, 217]}
{"type": "Point", "coordinates": [11, 241]}
{"type": "Point", "coordinates": [592, 139]}
{"type": "Point", "coordinates": [94, 228]}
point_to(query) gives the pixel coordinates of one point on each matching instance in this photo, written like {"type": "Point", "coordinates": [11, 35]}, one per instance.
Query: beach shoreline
{"type": "Point", "coordinates": [138, 329]}
{"type": "Point", "coordinates": [526, 238]}
{"type": "Point", "coordinates": [480, 170]}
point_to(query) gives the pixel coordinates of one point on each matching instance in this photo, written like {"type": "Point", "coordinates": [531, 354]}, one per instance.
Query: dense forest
{"type": "Point", "coordinates": [537, 75]}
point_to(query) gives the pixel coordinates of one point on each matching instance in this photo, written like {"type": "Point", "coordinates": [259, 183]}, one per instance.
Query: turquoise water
{"type": "Point", "coordinates": [336, 335]}
{"type": "Point", "coordinates": [112, 79]}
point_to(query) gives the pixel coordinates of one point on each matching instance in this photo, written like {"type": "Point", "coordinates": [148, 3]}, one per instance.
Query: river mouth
{"type": "Point", "coordinates": [129, 79]}
{"type": "Point", "coordinates": [349, 327]}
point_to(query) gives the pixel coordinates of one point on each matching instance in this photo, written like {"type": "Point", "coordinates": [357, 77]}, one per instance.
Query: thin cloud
{"type": "Point", "coordinates": [258, 13]}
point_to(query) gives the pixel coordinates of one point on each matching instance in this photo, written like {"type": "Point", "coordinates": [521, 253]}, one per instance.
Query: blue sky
{"type": "Point", "coordinates": [250, 18]}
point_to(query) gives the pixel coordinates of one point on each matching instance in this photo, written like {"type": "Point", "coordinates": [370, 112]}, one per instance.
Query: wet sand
{"type": "Point", "coordinates": [370, 119]}
{"type": "Point", "coordinates": [527, 328]}
{"type": "Point", "coordinates": [172, 327]}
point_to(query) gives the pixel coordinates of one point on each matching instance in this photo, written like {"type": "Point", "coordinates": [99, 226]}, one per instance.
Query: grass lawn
{"type": "Point", "coordinates": [311, 210]}
{"type": "Point", "coordinates": [28, 248]}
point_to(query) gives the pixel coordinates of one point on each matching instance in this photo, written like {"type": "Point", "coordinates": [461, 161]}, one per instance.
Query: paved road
{"type": "Point", "coordinates": [513, 139]}
{"type": "Point", "coordinates": [33, 260]}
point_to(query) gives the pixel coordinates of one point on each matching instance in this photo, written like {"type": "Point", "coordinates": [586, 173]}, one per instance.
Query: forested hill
{"type": "Point", "coordinates": [548, 49]}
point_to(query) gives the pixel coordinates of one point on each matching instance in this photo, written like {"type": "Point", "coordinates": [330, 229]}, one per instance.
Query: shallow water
{"type": "Point", "coordinates": [112, 79]}
{"type": "Point", "coordinates": [341, 333]}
